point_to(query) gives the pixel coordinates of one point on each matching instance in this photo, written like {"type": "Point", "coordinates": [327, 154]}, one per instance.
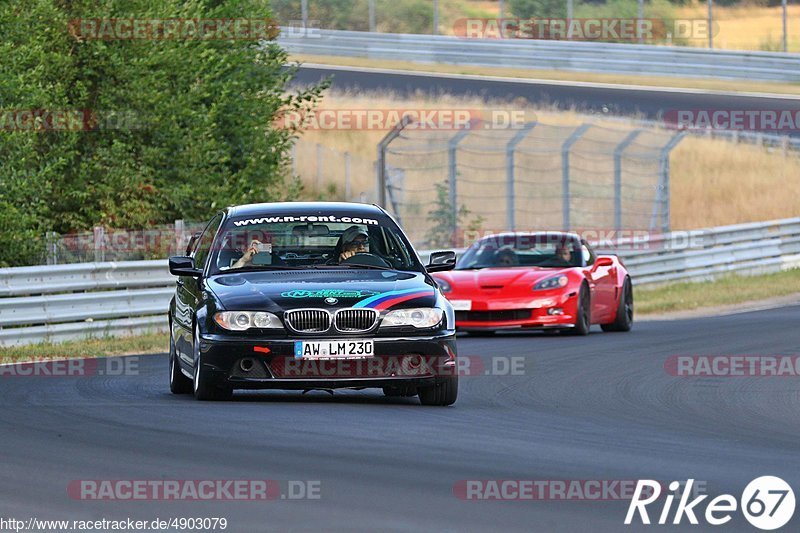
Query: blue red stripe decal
{"type": "Point", "coordinates": [388, 299]}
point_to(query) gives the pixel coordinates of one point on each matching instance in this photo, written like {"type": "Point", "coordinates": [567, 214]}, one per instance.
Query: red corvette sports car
{"type": "Point", "coordinates": [548, 280]}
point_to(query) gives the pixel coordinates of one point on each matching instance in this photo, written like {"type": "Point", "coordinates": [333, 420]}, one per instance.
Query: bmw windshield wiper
{"type": "Point", "coordinates": [376, 267]}
{"type": "Point", "coordinates": [254, 268]}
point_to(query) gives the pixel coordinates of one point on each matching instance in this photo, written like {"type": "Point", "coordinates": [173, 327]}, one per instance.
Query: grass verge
{"type": "Point", "coordinates": [98, 347]}
{"type": "Point", "coordinates": [727, 290]}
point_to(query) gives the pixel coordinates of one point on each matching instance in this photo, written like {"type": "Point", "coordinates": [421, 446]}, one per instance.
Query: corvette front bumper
{"type": "Point", "coordinates": [551, 311]}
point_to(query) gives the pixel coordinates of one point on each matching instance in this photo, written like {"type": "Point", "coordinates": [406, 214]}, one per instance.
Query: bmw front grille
{"type": "Point", "coordinates": [355, 320]}
{"type": "Point", "coordinates": [322, 320]}
{"type": "Point", "coordinates": [308, 320]}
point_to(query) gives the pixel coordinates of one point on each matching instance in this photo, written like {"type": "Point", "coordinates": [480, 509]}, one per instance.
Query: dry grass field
{"type": "Point", "coordinates": [748, 27]}
{"type": "Point", "coordinates": [713, 182]}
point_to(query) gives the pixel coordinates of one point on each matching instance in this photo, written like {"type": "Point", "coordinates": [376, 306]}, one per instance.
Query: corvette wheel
{"type": "Point", "coordinates": [624, 318]}
{"type": "Point", "coordinates": [444, 392]}
{"type": "Point", "coordinates": [203, 390]}
{"type": "Point", "coordinates": [178, 383]}
{"type": "Point", "coordinates": [582, 323]}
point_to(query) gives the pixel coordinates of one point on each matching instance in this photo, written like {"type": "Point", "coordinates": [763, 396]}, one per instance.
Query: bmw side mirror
{"type": "Point", "coordinates": [441, 261]}
{"type": "Point", "coordinates": [181, 265]}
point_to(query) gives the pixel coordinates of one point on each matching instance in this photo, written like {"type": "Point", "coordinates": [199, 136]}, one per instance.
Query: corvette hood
{"type": "Point", "coordinates": [495, 279]}
{"type": "Point", "coordinates": [330, 289]}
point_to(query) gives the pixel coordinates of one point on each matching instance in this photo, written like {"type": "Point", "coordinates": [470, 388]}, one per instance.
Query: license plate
{"type": "Point", "coordinates": [331, 349]}
{"type": "Point", "coordinates": [461, 305]}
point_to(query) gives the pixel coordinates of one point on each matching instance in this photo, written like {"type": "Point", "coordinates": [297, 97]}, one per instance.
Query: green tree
{"type": "Point", "coordinates": [445, 221]}
{"type": "Point", "coordinates": [194, 121]}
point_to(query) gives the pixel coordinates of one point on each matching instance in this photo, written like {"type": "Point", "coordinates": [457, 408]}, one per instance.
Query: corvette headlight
{"type": "Point", "coordinates": [551, 283]}
{"type": "Point", "coordinates": [420, 317]}
{"type": "Point", "coordinates": [244, 320]}
{"type": "Point", "coordinates": [443, 285]}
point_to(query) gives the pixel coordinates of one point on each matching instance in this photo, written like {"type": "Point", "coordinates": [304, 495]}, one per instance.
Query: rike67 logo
{"type": "Point", "coordinates": [767, 503]}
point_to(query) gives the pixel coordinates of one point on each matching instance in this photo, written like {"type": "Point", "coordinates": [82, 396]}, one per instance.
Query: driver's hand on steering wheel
{"type": "Point", "coordinates": [357, 245]}
{"type": "Point", "coordinates": [347, 254]}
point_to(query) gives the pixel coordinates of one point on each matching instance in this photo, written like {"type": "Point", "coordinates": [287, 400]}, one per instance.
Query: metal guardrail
{"type": "Point", "coordinates": [552, 55]}
{"type": "Point", "coordinates": [63, 302]}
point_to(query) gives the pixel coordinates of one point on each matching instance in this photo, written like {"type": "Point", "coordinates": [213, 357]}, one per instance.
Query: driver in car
{"type": "Point", "coordinates": [354, 240]}
{"type": "Point", "coordinates": [247, 258]}
{"type": "Point", "coordinates": [563, 255]}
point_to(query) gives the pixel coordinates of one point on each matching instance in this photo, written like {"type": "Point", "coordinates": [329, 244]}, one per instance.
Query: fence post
{"type": "Point", "coordinates": [785, 33]}
{"type": "Point", "coordinates": [99, 247]}
{"type": "Point", "coordinates": [710, 24]}
{"type": "Point", "coordinates": [661, 202]}
{"type": "Point", "coordinates": [304, 13]}
{"type": "Point", "coordinates": [381, 163]}
{"type": "Point", "coordinates": [565, 148]}
{"type": "Point", "coordinates": [319, 167]}
{"type": "Point", "coordinates": [618, 177]}
{"type": "Point", "coordinates": [180, 228]}
{"type": "Point", "coordinates": [452, 172]}
{"type": "Point", "coordinates": [436, 17]}
{"type": "Point", "coordinates": [372, 21]}
{"type": "Point", "coordinates": [347, 176]}
{"type": "Point", "coordinates": [510, 194]}
{"type": "Point", "coordinates": [51, 238]}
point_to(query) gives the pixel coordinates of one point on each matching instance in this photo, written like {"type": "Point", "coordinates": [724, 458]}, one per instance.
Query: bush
{"type": "Point", "coordinates": [539, 9]}
{"type": "Point", "coordinates": [197, 132]}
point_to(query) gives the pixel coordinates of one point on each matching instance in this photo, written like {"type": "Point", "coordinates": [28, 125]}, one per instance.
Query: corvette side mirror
{"type": "Point", "coordinates": [441, 261]}
{"type": "Point", "coordinates": [602, 262]}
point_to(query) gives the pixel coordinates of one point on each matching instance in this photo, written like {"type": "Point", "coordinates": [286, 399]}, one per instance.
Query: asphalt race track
{"type": "Point", "coordinates": [590, 98]}
{"type": "Point", "coordinates": [599, 407]}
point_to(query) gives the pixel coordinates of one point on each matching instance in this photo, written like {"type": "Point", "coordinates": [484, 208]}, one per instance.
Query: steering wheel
{"type": "Point", "coordinates": [367, 259]}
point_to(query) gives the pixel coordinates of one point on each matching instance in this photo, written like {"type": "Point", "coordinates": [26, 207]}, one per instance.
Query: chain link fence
{"type": "Point", "coordinates": [107, 244]}
{"type": "Point", "coordinates": [536, 177]}
{"type": "Point", "coordinates": [330, 174]}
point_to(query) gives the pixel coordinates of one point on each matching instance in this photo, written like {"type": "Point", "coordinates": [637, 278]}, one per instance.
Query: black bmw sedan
{"type": "Point", "coordinates": [310, 296]}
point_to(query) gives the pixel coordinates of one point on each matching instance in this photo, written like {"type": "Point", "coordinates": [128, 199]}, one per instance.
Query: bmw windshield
{"type": "Point", "coordinates": [283, 243]}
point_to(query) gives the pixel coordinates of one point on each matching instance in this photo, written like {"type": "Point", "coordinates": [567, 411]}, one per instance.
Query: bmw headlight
{"type": "Point", "coordinates": [244, 320]}
{"type": "Point", "coordinates": [551, 283]}
{"type": "Point", "coordinates": [443, 285]}
{"type": "Point", "coordinates": [419, 317]}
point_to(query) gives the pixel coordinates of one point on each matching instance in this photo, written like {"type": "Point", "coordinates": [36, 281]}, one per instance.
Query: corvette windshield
{"type": "Point", "coordinates": [261, 244]}
{"type": "Point", "coordinates": [547, 251]}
